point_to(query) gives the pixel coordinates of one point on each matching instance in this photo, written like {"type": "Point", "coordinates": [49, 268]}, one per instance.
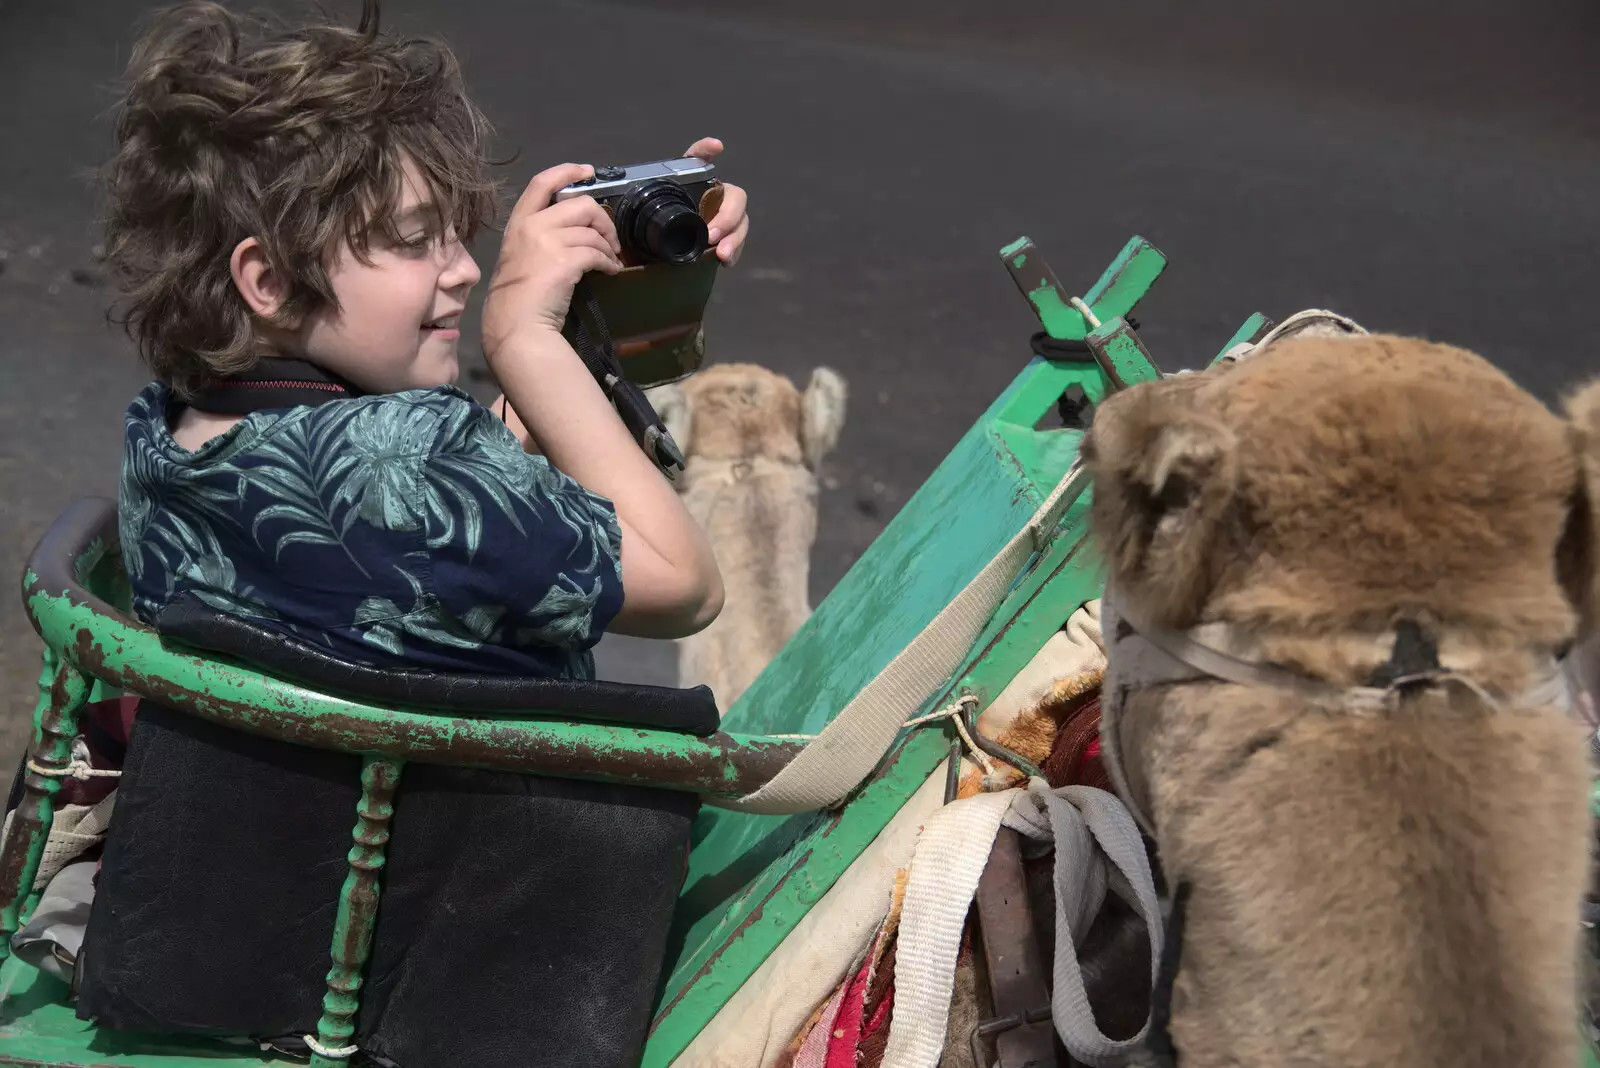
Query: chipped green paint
{"type": "Point", "coordinates": [62, 690]}
{"type": "Point", "coordinates": [1009, 250]}
{"type": "Point", "coordinates": [1119, 289]}
{"type": "Point", "coordinates": [1067, 576]}
{"type": "Point", "coordinates": [358, 911]}
{"type": "Point", "coordinates": [1251, 330]}
{"type": "Point", "coordinates": [1121, 354]}
{"type": "Point", "coordinates": [134, 659]}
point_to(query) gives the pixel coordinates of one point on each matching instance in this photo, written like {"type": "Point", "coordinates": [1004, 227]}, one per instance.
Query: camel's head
{"type": "Point", "coordinates": [1345, 482]}
{"type": "Point", "coordinates": [1366, 885]}
{"type": "Point", "coordinates": [741, 411]}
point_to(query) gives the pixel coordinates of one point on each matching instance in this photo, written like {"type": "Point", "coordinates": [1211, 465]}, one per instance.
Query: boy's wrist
{"type": "Point", "coordinates": [528, 342]}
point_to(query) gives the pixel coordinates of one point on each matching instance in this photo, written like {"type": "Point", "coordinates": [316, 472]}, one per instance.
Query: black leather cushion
{"type": "Point", "coordinates": [522, 922]}
{"type": "Point", "coordinates": [194, 623]}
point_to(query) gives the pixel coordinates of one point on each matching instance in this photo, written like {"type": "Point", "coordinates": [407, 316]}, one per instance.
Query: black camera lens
{"type": "Point", "coordinates": [659, 221]}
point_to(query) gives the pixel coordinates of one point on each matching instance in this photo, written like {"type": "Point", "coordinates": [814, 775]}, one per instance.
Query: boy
{"type": "Point", "coordinates": [287, 215]}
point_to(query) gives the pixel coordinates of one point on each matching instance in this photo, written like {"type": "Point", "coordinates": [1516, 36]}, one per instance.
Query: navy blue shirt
{"type": "Point", "coordinates": [408, 528]}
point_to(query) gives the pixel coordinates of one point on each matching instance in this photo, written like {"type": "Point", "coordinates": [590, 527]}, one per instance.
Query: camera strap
{"type": "Point", "coordinates": [272, 382]}
{"type": "Point", "coordinates": [586, 327]}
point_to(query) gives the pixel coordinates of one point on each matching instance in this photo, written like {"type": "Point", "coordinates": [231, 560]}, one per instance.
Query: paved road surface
{"type": "Point", "coordinates": [1419, 173]}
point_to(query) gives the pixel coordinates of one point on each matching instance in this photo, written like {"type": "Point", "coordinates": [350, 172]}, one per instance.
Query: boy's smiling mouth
{"type": "Point", "coordinates": [445, 326]}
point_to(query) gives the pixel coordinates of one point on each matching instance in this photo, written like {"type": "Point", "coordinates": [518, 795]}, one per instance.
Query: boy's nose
{"type": "Point", "coordinates": [462, 271]}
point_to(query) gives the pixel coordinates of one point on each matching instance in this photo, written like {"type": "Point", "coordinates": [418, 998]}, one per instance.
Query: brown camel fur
{"type": "Point", "coordinates": [752, 444]}
{"type": "Point", "coordinates": [1394, 888]}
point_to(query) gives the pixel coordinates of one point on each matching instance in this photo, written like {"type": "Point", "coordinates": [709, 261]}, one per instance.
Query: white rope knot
{"type": "Point", "coordinates": [1088, 315]}
{"type": "Point", "coordinates": [956, 712]}
{"type": "Point", "coordinates": [80, 770]}
{"type": "Point", "coordinates": [339, 1053]}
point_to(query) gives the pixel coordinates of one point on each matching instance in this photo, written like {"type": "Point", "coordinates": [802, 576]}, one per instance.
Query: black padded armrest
{"type": "Point", "coordinates": [189, 620]}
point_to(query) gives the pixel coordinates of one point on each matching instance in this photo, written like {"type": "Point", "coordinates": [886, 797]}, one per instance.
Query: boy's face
{"type": "Point", "coordinates": [398, 322]}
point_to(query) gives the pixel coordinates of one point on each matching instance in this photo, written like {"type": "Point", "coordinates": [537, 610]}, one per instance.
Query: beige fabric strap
{"type": "Point", "coordinates": [847, 750]}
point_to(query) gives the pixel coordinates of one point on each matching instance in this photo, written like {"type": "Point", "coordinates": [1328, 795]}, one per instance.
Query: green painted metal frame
{"type": "Point", "coordinates": [753, 878]}
{"type": "Point", "coordinates": [82, 619]}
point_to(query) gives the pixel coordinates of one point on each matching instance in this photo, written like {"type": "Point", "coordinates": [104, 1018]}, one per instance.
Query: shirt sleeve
{"type": "Point", "coordinates": [521, 555]}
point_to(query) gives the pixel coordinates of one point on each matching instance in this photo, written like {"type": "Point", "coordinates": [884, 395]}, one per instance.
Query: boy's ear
{"type": "Point", "coordinates": [1164, 475]}
{"type": "Point", "coordinates": [822, 414]}
{"type": "Point", "coordinates": [672, 406]}
{"type": "Point", "coordinates": [261, 286]}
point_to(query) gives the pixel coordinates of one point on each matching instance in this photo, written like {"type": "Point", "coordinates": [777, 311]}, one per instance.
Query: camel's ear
{"type": "Point", "coordinates": [822, 414]}
{"type": "Point", "coordinates": [1578, 559]}
{"type": "Point", "coordinates": [673, 408]}
{"type": "Point", "coordinates": [1164, 474]}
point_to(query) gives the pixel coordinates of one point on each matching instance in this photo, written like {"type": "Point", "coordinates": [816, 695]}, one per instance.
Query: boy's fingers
{"type": "Point", "coordinates": [582, 211]}
{"type": "Point", "coordinates": [587, 237]}
{"type": "Point", "coordinates": [705, 148]}
{"type": "Point", "coordinates": [730, 213]}
{"type": "Point", "coordinates": [536, 197]}
{"type": "Point", "coordinates": [731, 247]}
{"type": "Point", "coordinates": [594, 259]}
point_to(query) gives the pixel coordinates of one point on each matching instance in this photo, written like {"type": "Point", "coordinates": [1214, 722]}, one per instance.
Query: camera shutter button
{"type": "Point", "coordinates": [609, 174]}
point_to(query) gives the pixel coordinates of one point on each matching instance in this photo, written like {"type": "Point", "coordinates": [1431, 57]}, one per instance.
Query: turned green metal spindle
{"type": "Point", "coordinates": [358, 913]}
{"type": "Point", "coordinates": [62, 691]}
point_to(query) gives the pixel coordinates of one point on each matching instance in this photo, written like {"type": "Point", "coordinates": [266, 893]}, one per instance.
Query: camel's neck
{"type": "Point", "coordinates": [761, 523]}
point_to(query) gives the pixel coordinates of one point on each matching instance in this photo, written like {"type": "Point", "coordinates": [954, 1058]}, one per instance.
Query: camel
{"type": "Point", "coordinates": [1371, 807]}
{"type": "Point", "coordinates": [752, 445]}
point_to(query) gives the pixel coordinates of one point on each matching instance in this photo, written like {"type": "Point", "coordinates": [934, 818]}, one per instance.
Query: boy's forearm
{"type": "Point", "coordinates": [572, 422]}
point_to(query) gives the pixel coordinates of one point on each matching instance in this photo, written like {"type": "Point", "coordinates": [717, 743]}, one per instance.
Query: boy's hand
{"type": "Point", "coordinates": [732, 223]}
{"type": "Point", "coordinates": [546, 249]}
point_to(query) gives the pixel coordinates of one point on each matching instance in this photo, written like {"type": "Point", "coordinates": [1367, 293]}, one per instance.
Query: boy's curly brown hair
{"type": "Point", "coordinates": [231, 128]}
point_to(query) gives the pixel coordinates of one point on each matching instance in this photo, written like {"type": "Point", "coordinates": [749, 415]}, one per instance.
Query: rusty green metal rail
{"type": "Point", "coordinates": [91, 644]}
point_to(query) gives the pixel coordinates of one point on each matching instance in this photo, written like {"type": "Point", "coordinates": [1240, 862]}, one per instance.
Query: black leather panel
{"type": "Point", "coordinates": [196, 624]}
{"type": "Point", "coordinates": [522, 921]}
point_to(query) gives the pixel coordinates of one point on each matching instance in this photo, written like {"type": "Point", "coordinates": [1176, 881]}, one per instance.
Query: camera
{"type": "Point", "coordinates": [653, 308]}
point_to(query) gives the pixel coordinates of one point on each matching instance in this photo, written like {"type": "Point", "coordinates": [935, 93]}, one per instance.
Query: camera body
{"type": "Point", "coordinates": [655, 305]}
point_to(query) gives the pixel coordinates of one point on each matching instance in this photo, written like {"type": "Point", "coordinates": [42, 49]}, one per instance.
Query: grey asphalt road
{"type": "Point", "coordinates": [1423, 172]}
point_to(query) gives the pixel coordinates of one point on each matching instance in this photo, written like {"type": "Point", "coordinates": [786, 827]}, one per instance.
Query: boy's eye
{"type": "Point", "coordinates": [417, 242]}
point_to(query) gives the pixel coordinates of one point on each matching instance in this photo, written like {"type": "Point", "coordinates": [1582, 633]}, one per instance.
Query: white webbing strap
{"type": "Point", "coordinates": [847, 750]}
{"type": "Point", "coordinates": [1097, 848]}
{"type": "Point", "coordinates": [1089, 827]}
{"type": "Point", "coordinates": [952, 852]}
